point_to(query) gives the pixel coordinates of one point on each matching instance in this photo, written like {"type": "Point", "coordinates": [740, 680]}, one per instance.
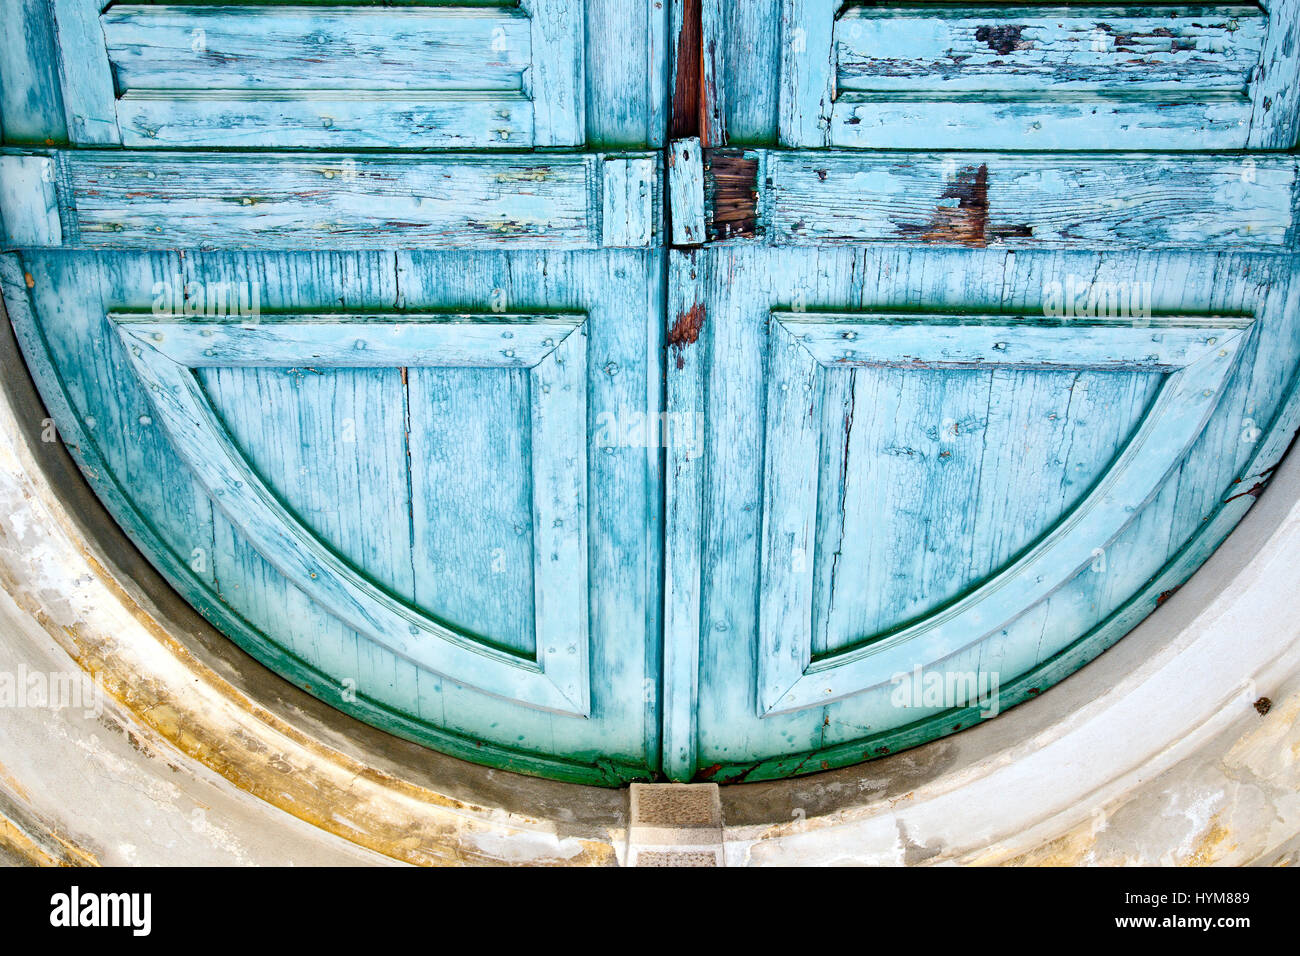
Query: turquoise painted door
{"type": "Point", "coordinates": [345, 310]}
{"type": "Point", "coordinates": [992, 336]}
{"type": "Point", "coordinates": [931, 349]}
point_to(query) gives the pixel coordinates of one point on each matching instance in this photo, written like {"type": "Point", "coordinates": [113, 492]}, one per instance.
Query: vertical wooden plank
{"type": "Point", "coordinates": [684, 68]}
{"type": "Point", "coordinates": [332, 450]}
{"type": "Point", "coordinates": [627, 189]}
{"type": "Point", "coordinates": [626, 62]}
{"type": "Point", "coordinates": [683, 513]}
{"type": "Point", "coordinates": [686, 191]}
{"type": "Point", "coordinates": [1275, 92]}
{"type": "Point", "coordinates": [659, 55]}
{"type": "Point", "coordinates": [556, 82]}
{"type": "Point", "coordinates": [716, 79]}
{"type": "Point", "coordinates": [559, 459]}
{"type": "Point", "coordinates": [792, 443]}
{"type": "Point", "coordinates": [807, 72]}
{"type": "Point", "coordinates": [89, 98]}
{"type": "Point", "coordinates": [31, 102]}
{"type": "Point", "coordinates": [471, 513]}
{"type": "Point", "coordinates": [29, 207]}
{"type": "Point", "coordinates": [741, 66]}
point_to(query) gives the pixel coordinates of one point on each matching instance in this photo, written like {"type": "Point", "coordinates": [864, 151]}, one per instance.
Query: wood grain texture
{"type": "Point", "coordinates": [234, 47]}
{"type": "Point", "coordinates": [1069, 121]}
{"type": "Point", "coordinates": [628, 195]}
{"type": "Point", "coordinates": [740, 47]}
{"type": "Point", "coordinates": [1275, 117]}
{"type": "Point", "coordinates": [29, 208]}
{"type": "Point", "coordinates": [1047, 201]}
{"type": "Point", "coordinates": [1181, 52]}
{"type": "Point", "coordinates": [188, 74]}
{"type": "Point", "coordinates": [302, 201]}
{"type": "Point", "coordinates": [87, 75]}
{"type": "Point", "coordinates": [807, 75]}
{"type": "Point", "coordinates": [683, 528]}
{"type": "Point", "coordinates": [325, 120]}
{"type": "Point", "coordinates": [31, 102]}
{"type": "Point", "coordinates": [555, 78]}
{"type": "Point", "coordinates": [686, 191]}
{"type": "Point", "coordinates": [1026, 77]}
{"type": "Point", "coordinates": [135, 468]}
{"type": "Point", "coordinates": [557, 680]}
{"type": "Point", "coordinates": [627, 51]}
{"type": "Point", "coordinates": [1199, 352]}
{"type": "Point", "coordinates": [955, 474]}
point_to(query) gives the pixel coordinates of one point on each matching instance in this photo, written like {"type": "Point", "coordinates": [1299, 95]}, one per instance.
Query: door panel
{"type": "Point", "coordinates": [993, 517]}
{"type": "Point", "coordinates": [504, 76]}
{"type": "Point", "coordinates": [1197, 355]}
{"type": "Point", "coordinates": [355, 516]}
{"type": "Point", "coordinates": [904, 526]}
{"type": "Point", "coordinates": [971, 345]}
{"type": "Point", "coordinates": [919, 76]}
{"type": "Point", "coordinates": [166, 352]}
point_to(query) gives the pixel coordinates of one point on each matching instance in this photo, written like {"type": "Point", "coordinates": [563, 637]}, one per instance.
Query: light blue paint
{"type": "Point", "coordinates": [423, 473]}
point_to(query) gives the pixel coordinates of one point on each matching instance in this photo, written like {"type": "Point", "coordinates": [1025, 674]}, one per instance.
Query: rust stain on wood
{"type": "Point", "coordinates": [686, 331]}
{"type": "Point", "coordinates": [962, 215]}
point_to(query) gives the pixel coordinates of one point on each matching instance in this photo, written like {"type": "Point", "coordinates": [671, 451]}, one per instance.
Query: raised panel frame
{"type": "Point", "coordinates": [813, 113]}
{"type": "Point", "coordinates": [165, 352]}
{"type": "Point", "coordinates": [548, 111]}
{"type": "Point", "coordinates": [1196, 353]}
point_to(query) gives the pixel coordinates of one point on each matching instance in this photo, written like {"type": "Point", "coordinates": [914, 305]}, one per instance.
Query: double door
{"type": "Point", "coordinates": [624, 389]}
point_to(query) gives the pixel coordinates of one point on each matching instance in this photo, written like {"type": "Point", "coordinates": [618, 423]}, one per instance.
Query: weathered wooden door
{"type": "Point", "coordinates": [347, 310]}
{"type": "Point", "coordinates": [992, 332]}
{"type": "Point", "coordinates": [933, 351]}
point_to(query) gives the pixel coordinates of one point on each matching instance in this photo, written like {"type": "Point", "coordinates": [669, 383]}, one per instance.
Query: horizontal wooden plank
{"type": "Point", "coordinates": [909, 340]}
{"type": "Point", "coordinates": [327, 120]}
{"type": "Point", "coordinates": [232, 47]}
{"type": "Point", "coordinates": [144, 200]}
{"type": "Point", "coordinates": [1062, 200]}
{"type": "Point", "coordinates": [1049, 48]}
{"type": "Point", "coordinates": [351, 340]}
{"type": "Point", "coordinates": [1067, 121]}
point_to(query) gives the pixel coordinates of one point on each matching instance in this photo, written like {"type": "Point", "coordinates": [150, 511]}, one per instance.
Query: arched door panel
{"type": "Point", "coordinates": [310, 460]}
{"type": "Point", "coordinates": [922, 498]}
